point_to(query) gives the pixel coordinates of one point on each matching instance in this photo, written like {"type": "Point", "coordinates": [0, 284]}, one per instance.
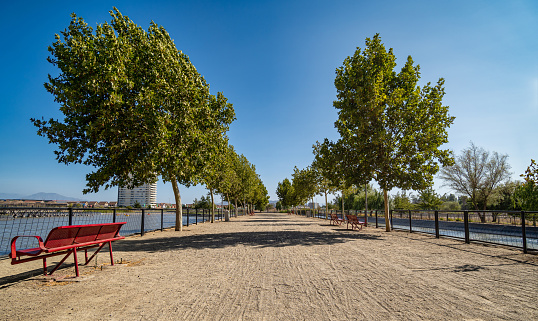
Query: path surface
{"type": "Point", "coordinates": [282, 267]}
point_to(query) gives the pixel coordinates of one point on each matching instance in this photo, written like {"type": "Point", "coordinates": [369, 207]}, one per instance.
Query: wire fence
{"type": "Point", "coordinates": [40, 220]}
{"type": "Point", "coordinates": [514, 229]}
{"type": "Point", "coordinates": [509, 228]}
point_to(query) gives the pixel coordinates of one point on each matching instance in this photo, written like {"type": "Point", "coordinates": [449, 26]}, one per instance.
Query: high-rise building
{"type": "Point", "coordinates": [145, 195]}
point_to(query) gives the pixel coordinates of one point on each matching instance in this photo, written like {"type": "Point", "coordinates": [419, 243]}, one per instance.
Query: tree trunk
{"type": "Point", "coordinates": [179, 207]}
{"type": "Point", "coordinates": [343, 211]}
{"type": "Point", "coordinates": [483, 216]}
{"type": "Point", "coordinates": [236, 207]}
{"type": "Point", "coordinates": [326, 207]}
{"type": "Point", "coordinates": [227, 214]}
{"type": "Point", "coordinates": [387, 212]}
{"type": "Point", "coordinates": [366, 204]}
{"type": "Point", "coordinates": [212, 207]}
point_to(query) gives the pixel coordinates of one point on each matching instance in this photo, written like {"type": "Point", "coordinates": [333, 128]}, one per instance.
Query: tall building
{"type": "Point", "coordinates": [145, 195]}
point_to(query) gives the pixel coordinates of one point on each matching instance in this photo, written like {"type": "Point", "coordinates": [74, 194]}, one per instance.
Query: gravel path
{"type": "Point", "coordinates": [282, 267]}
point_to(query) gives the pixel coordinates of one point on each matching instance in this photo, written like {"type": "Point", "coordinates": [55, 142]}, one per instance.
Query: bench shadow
{"type": "Point", "coordinates": [222, 240]}
{"type": "Point", "coordinates": [9, 280]}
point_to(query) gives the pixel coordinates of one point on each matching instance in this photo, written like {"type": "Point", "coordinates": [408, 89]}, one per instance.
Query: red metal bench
{"type": "Point", "coordinates": [65, 240]}
{"type": "Point", "coordinates": [354, 221]}
{"type": "Point", "coordinates": [335, 220]}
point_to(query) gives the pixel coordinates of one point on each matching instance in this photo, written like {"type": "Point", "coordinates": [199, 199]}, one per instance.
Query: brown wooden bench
{"type": "Point", "coordinates": [65, 240]}
{"type": "Point", "coordinates": [354, 221]}
{"type": "Point", "coordinates": [335, 220]}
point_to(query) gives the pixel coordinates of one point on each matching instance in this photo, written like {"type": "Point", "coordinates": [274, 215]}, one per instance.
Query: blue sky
{"type": "Point", "coordinates": [275, 61]}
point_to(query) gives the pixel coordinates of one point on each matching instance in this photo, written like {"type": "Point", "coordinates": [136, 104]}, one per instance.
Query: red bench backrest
{"type": "Point", "coordinates": [69, 235]}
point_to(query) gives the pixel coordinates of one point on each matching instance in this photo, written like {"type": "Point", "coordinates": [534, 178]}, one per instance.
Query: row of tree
{"type": "Point", "coordinates": [391, 131]}
{"type": "Point", "coordinates": [135, 109]}
{"type": "Point", "coordinates": [236, 180]}
{"type": "Point", "coordinates": [481, 178]}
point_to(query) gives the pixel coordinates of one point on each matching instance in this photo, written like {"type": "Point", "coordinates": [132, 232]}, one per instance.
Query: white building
{"type": "Point", "coordinates": [313, 205]}
{"type": "Point", "coordinates": [145, 195]}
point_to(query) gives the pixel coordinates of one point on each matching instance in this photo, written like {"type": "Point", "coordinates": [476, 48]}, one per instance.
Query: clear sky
{"type": "Point", "coordinates": [275, 61]}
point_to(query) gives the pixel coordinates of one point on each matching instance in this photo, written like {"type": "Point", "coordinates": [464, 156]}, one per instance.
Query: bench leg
{"type": "Point", "coordinates": [76, 261]}
{"type": "Point", "coordinates": [61, 262]}
{"type": "Point", "coordinates": [45, 266]}
{"type": "Point", "coordinates": [110, 250]}
{"type": "Point", "coordinates": [94, 254]}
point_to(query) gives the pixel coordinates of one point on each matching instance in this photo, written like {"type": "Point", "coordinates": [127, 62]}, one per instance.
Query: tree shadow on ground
{"type": "Point", "coordinates": [222, 240]}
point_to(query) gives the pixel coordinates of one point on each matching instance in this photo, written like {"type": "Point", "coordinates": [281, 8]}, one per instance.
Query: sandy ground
{"type": "Point", "coordinates": [281, 267]}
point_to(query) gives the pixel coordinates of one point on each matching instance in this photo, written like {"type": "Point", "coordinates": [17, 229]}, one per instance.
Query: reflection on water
{"type": "Point", "coordinates": [40, 226]}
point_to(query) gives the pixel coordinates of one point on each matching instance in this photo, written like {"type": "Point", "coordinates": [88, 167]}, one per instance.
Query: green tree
{"type": "Point", "coordinates": [504, 197]}
{"type": "Point", "coordinates": [390, 128]}
{"type": "Point", "coordinates": [357, 200]}
{"type": "Point", "coordinates": [325, 168]}
{"type": "Point", "coordinates": [229, 184]}
{"type": "Point", "coordinates": [203, 203]}
{"type": "Point", "coordinates": [260, 195]}
{"type": "Point", "coordinates": [286, 193]}
{"type": "Point", "coordinates": [402, 202]}
{"type": "Point", "coordinates": [527, 193]}
{"type": "Point", "coordinates": [215, 171]}
{"type": "Point", "coordinates": [476, 174]}
{"type": "Point", "coordinates": [304, 184]}
{"type": "Point", "coordinates": [333, 161]}
{"type": "Point", "coordinates": [134, 106]}
{"type": "Point", "coordinates": [428, 199]}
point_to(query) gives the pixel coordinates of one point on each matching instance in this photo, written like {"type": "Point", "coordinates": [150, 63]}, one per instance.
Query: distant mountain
{"type": "Point", "coordinates": [41, 196]}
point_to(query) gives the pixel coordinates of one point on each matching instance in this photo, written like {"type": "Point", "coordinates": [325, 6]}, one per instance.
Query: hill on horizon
{"type": "Point", "coordinates": [39, 196]}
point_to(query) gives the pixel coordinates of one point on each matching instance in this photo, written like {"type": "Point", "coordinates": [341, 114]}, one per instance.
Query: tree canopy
{"type": "Point", "coordinates": [134, 106]}
{"type": "Point", "coordinates": [286, 193]}
{"type": "Point", "coordinates": [476, 173]}
{"type": "Point", "coordinates": [527, 193]}
{"type": "Point", "coordinates": [391, 128]}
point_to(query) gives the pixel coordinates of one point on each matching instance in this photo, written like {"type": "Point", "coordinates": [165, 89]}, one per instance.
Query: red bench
{"type": "Point", "coordinates": [65, 240]}
{"type": "Point", "coordinates": [335, 220]}
{"type": "Point", "coordinates": [354, 221]}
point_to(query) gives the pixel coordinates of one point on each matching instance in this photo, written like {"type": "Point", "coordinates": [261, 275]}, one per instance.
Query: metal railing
{"type": "Point", "coordinates": [509, 228]}
{"type": "Point", "coordinates": [40, 220]}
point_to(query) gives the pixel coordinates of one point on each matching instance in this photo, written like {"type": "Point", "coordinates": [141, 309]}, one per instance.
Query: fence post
{"type": "Point", "coordinates": [70, 217]}
{"type": "Point", "coordinates": [376, 225]}
{"type": "Point", "coordinates": [196, 215]}
{"type": "Point", "coordinates": [142, 222]}
{"type": "Point", "coordinates": [410, 222]}
{"type": "Point", "coordinates": [187, 216]}
{"type": "Point", "coordinates": [436, 224]}
{"type": "Point", "coordinates": [524, 232]}
{"type": "Point", "coordinates": [162, 219]}
{"type": "Point", "coordinates": [466, 226]}
{"type": "Point", "coordinates": [390, 217]}
{"type": "Point", "coordinates": [114, 215]}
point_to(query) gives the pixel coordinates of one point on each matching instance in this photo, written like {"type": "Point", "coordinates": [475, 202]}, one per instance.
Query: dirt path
{"type": "Point", "coordinates": [281, 267]}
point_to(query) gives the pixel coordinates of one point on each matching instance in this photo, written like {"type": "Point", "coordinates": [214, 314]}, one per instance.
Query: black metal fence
{"type": "Point", "coordinates": [510, 228]}
{"type": "Point", "coordinates": [40, 220]}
